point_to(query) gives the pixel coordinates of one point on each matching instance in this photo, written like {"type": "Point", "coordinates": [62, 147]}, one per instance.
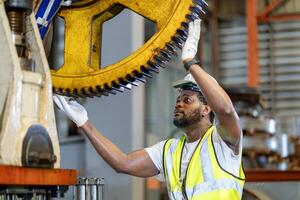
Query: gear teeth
{"type": "Point", "coordinates": [182, 33]}
{"type": "Point", "coordinates": [185, 25]}
{"type": "Point", "coordinates": [159, 61]}
{"type": "Point", "coordinates": [124, 83]}
{"type": "Point", "coordinates": [153, 67]}
{"type": "Point", "coordinates": [201, 2]}
{"type": "Point", "coordinates": [100, 91]}
{"type": "Point", "coordinates": [132, 80]}
{"type": "Point", "coordinates": [178, 42]}
{"type": "Point", "coordinates": [117, 87]}
{"type": "Point", "coordinates": [86, 92]}
{"type": "Point", "coordinates": [143, 80]}
{"type": "Point", "coordinates": [94, 92]}
{"type": "Point", "coordinates": [109, 90]}
{"type": "Point", "coordinates": [192, 17]}
{"type": "Point", "coordinates": [82, 92]}
{"type": "Point", "coordinates": [134, 83]}
{"type": "Point", "coordinates": [139, 76]}
{"type": "Point", "coordinates": [166, 54]}
{"type": "Point", "coordinates": [59, 91]}
{"type": "Point", "coordinates": [75, 93]}
{"type": "Point", "coordinates": [146, 72]}
{"type": "Point", "coordinates": [67, 92]}
{"type": "Point", "coordinates": [201, 5]}
{"type": "Point", "coordinates": [197, 9]}
{"type": "Point", "coordinates": [172, 49]}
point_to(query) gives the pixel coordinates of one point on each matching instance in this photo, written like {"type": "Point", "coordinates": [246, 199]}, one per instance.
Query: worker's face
{"type": "Point", "coordinates": [188, 109]}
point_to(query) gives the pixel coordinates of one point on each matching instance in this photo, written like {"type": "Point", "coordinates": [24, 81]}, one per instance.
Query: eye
{"type": "Point", "coordinates": [187, 100]}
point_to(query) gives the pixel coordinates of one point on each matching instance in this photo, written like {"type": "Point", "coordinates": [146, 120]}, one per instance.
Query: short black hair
{"type": "Point", "coordinates": [203, 100]}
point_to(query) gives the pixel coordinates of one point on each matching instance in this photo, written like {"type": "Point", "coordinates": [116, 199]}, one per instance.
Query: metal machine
{"type": "Point", "coordinates": [29, 147]}
{"type": "Point", "coordinates": [28, 131]}
{"type": "Point", "coordinates": [81, 73]}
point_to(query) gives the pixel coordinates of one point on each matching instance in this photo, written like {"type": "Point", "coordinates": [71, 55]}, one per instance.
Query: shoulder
{"type": "Point", "coordinates": [156, 147]}
{"type": "Point", "coordinates": [221, 147]}
{"type": "Point", "coordinates": [160, 145]}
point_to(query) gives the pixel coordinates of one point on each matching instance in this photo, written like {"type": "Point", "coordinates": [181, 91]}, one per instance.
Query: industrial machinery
{"type": "Point", "coordinates": [28, 138]}
{"type": "Point", "coordinates": [28, 132]}
{"type": "Point", "coordinates": [29, 147]}
{"type": "Point", "coordinates": [81, 73]}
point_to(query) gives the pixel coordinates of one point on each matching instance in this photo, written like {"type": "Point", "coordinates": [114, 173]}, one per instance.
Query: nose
{"type": "Point", "coordinates": [179, 104]}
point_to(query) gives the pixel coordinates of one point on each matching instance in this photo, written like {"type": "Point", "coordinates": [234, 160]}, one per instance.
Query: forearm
{"type": "Point", "coordinates": [136, 163]}
{"type": "Point", "coordinates": [214, 94]}
{"type": "Point", "coordinates": [105, 148]}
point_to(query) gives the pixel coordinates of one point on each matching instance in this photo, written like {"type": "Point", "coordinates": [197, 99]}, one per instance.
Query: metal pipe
{"type": "Point", "coordinates": [58, 193]}
{"type": "Point", "coordinates": [93, 189]}
{"type": "Point", "coordinates": [81, 189]}
{"type": "Point", "coordinates": [74, 189]}
{"type": "Point", "coordinates": [87, 189]}
{"type": "Point", "coordinates": [100, 188]}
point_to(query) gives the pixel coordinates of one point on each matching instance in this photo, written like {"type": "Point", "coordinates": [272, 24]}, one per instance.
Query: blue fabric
{"type": "Point", "coordinates": [52, 6]}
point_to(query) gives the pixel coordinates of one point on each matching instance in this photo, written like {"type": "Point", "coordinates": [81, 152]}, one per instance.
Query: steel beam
{"type": "Point", "coordinates": [253, 68]}
{"type": "Point", "coordinates": [270, 8]}
{"type": "Point", "coordinates": [282, 17]}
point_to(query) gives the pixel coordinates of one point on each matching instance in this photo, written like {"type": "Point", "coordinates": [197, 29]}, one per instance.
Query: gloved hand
{"type": "Point", "coordinates": [190, 47]}
{"type": "Point", "coordinates": [72, 109]}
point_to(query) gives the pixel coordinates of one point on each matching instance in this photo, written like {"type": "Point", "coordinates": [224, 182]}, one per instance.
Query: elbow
{"type": "Point", "coordinates": [122, 168]}
{"type": "Point", "coordinates": [119, 171]}
{"type": "Point", "coordinates": [226, 110]}
{"type": "Point", "coordinates": [229, 111]}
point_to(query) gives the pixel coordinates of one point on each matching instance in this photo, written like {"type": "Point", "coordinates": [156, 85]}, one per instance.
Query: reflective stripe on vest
{"type": "Point", "coordinates": [205, 178]}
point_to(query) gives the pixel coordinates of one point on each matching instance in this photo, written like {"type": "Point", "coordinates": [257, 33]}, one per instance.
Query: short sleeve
{"type": "Point", "coordinates": [156, 153]}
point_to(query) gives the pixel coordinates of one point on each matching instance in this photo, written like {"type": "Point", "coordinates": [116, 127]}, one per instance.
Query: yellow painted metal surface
{"type": "Point", "coordinates": [81, 70]}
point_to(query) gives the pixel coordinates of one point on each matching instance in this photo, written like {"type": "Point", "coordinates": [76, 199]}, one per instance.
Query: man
{"type": "Point", "coordinates": [204, 163]}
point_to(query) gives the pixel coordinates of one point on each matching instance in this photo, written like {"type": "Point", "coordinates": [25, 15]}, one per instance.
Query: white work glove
{"type": "Point", "coordinates": [190, 47]}
{"type": "Point", "coordinates": [72, 109]}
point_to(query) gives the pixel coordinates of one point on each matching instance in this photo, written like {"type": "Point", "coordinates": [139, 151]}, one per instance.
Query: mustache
{"type": "Point", "coordinates": [178, 111]}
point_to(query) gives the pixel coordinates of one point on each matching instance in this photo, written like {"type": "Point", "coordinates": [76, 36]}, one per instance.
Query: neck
{"type": "Point", "coordinates": [196, 131]}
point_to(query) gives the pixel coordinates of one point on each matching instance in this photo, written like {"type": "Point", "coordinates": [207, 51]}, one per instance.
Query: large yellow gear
{"type": "Point", "coordinates": [81, 74]}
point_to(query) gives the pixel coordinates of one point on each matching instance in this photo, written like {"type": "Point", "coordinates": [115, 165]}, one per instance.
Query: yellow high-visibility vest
{"type": "Point", "coordinates": [204, 178]}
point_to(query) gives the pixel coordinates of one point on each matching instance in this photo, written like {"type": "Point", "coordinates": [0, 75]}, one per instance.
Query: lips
{"type": "Point", "coordinates": [176, 113]}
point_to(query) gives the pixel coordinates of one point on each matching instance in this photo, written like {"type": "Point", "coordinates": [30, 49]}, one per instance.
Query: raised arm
{"type": "Point", "coordinates": [136, 163]}
{"type": "Point", "coordinates": [215, 96]}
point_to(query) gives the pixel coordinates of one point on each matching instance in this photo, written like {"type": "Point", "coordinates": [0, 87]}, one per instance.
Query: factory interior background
{"type": "Point", "coordinates": [265, 89]}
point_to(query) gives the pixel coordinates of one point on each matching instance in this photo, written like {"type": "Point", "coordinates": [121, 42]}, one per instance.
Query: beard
{"type": "Point", "coordinates": [187, 120]}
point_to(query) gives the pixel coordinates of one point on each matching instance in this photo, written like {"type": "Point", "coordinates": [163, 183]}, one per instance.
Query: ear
{"type": "Point", "coordinates": [206, 110]}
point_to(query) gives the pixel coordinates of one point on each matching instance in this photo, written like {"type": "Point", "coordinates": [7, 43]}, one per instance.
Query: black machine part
{"type": "Point", "coordinates": [37, 149]}
{"type": "Point", "coordinates": [20, 4]}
